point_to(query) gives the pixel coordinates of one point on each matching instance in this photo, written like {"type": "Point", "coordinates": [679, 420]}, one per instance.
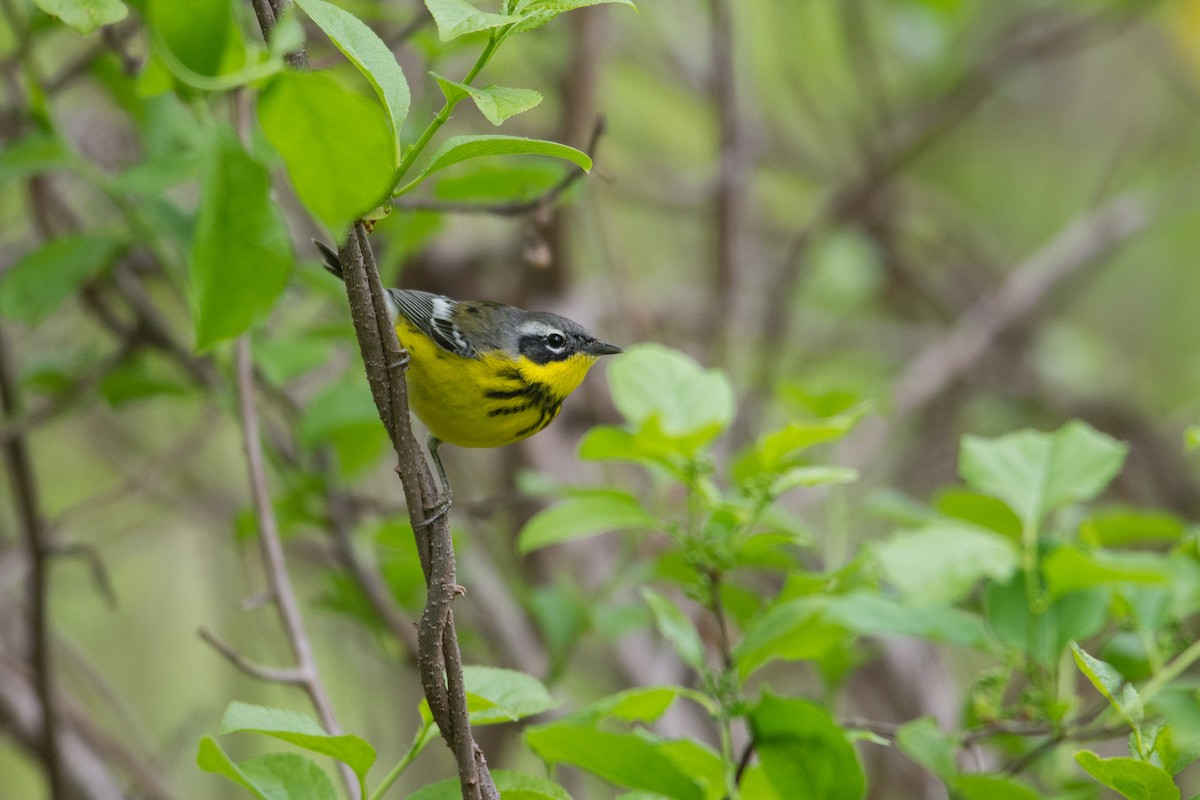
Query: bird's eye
{"type": "Point", "coordinates": [556, 340]}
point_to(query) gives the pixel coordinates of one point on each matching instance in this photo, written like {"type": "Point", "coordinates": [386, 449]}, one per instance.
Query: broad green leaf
{"type": "Point", "coordinates": [345, 415]}
{"type": "Point", "coordinates": [142, 376]}
{"type": "Point", "coordinates": [805, 477]}
{"type": "Point", "coordinates": [514, 785]}
{"type": "Point", "coordinates": [513, 695]}
{"type": "Point", "coordinates": [288, 776]}
{"type": "Point", "coordinates": [337, 145]}
{"type": "Point", "coordinates": [677, 628]}
{"type": "Point", "coordinates": [195, 33]}
{"type": "Point", "coordinates": [283, 359]}
{"type": "Point", "coordinates": [1132, 779]}
{"type": "Point", "coordinates": [794, 630]}
{"type": "Point", "coordinates": [979, 509]}
{"type": "Point", "coordinates": [373, 58]}
{"type": "Point", "coordinates": [1071, 569]}
{"type": "Point", "coordinates": [300, 730]}
{"type": "Point", "coordinates": [643, 704]}
{"type": "Point", "coordinates": [497, 103]}
{"type": "Point", "coordinates": [991, 787]}
{"type": "Point", "coordinates": [536, 13]}
{"type": "Point", "coordinates": [490, 181]}
{"type": "Point", "coordinates": [241, 251]}
{"type": "Point", "coordinates": [804, 752]}
{"type": "Point", "coordinates": [31, 155]}
{"type": "Point", "coordinates": [1043, 635]}
{"type": "Point", "coordinates": [652, 383]}
{"type": "Point", "coordinates": [462, 148]}
{"type": "Point", "coordinates": [584, 515]}
{"type": "Point", "coordinates": [928, 745]}
{"type": "Point", "coordinates": [85, 16]}
{"type": "Point", "coordinates": [777, 450]}
{"type": "Point", "coordinates": [456, 18]}
{"type": "Point", "coordinates": [1036, 473]}
{"type": "Point", "coordinates": [41, 280]}
{"type": "Point", "coordinates": [873, 614]}
{"type": "Point", "coordinates": [1124, 527]}
{"type": "Point", "coordinates": [940, 563]}
{"type": "Point", "coordinates": [632, 760]}
{"type": "Point", "coordinates": [1111, 684]}
{"type": "Point", "coordinates": [211, 758]}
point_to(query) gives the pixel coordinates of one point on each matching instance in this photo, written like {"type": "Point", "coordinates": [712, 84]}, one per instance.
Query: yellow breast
{"type": "Point", "coordinates": [488, 401]}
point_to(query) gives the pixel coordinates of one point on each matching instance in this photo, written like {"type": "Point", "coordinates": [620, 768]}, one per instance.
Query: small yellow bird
{"type": "Point", "coordinates": [484, 374]}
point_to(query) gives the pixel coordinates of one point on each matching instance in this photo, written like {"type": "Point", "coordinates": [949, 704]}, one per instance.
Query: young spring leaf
{"type": "Point", "coordinates": [1036, 473]}
{"type": "Point", "coordinates": [536, 13]}
{"type": "Point", "coordinates": [501, 695]}
{"type": "Point", "coordinates": [337, 145]}
{"type": "Point", "coordinates": [241, 251]}
{"type": "Point", "coordinates": [651, 383]}
{"type": "Point", "coordinates": [269, 777]}
{"type": "Point", "coordinates": [497, 103]}
{"type": "Point", "coordinates": [300, 730]}
{"type": "Point", "coordinates": [677, 628]}
{"type": "Point", "coordinates": [456, 18]}
{"type": "Point", "coordinates": [1133, 779]}
{"type": "Point", "coordinates": [941, 562]}
{"type": "Point", "coordinates": [193, 34]}
{"type": "Point", "coordinates": [36, 284]}
{"type": "Point", "coordinates": [804, 752]}
{"type": "Point", "coordinates": [581, 515]}
{"type": "Point", "coordinates": [85, 16]}
{"type": "Point", "coordinates": [462, 148]}
{"type": "Point", "coordinates": [977, 786]}
{"type": "Point", "coordinates": [373, 58]}
{"type": "Point", "coordinates": [928, 745]}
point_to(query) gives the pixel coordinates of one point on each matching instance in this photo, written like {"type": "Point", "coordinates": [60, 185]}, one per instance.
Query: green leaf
{"type": "Point", "coordinates": [872, 614]}
{"type": "Point", "coordinates": [345, 415]}
{"type": "Point", "coordinates": [1036, 472]}
{"type": "Point", "coordinates": [336, 144]}
{"type": "Point", "coordinates": [31, 155]}
{"type": "Point", "coordinates": [241, 251]}
{"type": "Point", "coordinates": [777, 450]}
{"type": "Point", "coordinates": [536, 13]}
{"type": "Point", "coordinates": [991, 787]}
{"type": "Point", "coordinates": [512, 695]}
{"type": "Point", "coordinates": [1111, 685]}
{"type": "Point", "coordinates": [928, 745]}
{"type": "Point", "coordinates": [497, 103]}
{"type": "Point", "coordinates": [283, 359]}
{"type": "Point", "coordinates": [85, 16]}
{"type": "Point", "coordinates": [978, 509]}
{"type": "Point", "coordinates": [278, 776]}
{"type": "Point", "coordinates": [632, 760]}
{"type": "Point", "coordinates": [804, 752]}
{"type": "Point", "coordinates": [794, 630]}
{"type": "Point", "coordinates": [373, 58]}
{"type": "Point", "coordinates": [643, 704]}
{"type": "Point", "coordinates": [1132, 779]}
{"type": "Point", "coordinates": [655, 383]}
{"type": "Point", "coordinates": [941, 562]}
{"type": "Point", "coordinates": [195, 34]}
{"type": "Point", "coordinates": [462, 148]}
{"type": "Point", "coordinates": [1071, 569]}
{"type": "Point", "coordinates": [145, 375]}
{"type": "Point", "coordinates": [1043, 635]}
{"type": "Point", "coordinates": [300, 730]}
{"type": "Point", "coordinates": [581, 515]}
{"type": "Point", "coordinates": [39, 281]}
{"type": "Point", "coordinates": [455, 18]}
{"type": "Point", "coordinates": [677, 628]}
{"type": "Point", "coordinates": [1128, 526]}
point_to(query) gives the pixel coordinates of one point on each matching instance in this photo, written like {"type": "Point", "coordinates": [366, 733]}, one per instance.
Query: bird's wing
{"type": "Point", "coordinates": [433, 315]}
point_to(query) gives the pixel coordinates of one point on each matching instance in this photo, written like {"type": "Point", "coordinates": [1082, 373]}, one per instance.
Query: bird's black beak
{"type": "Point", "coordinates": [601, 349]}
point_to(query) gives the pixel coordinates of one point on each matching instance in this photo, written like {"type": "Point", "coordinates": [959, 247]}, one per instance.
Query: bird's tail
{"type": "Point", "coordinates": [330, 261]}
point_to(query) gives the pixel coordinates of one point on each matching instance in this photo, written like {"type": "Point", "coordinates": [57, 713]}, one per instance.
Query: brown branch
{"type": "Point", "coordinates": [439, 660]}
{"type": "Point", "coordinates": [33, 533]}
{"type": "Point", "coordinates": [289, 676]}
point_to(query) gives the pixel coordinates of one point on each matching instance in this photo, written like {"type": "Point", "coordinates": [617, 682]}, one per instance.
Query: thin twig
{"type": "Point", "coordinates": [278, 579]}
{"type": "Point", "coordinates": [33, 533]}
{"type": "Point", "coordinates": [289, 676]}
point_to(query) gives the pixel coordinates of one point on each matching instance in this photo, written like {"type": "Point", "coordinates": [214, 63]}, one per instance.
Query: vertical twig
{"type": "Point", "coordinates": [33, 532]}
{"type": "Point", "coordinates": [278, 580]}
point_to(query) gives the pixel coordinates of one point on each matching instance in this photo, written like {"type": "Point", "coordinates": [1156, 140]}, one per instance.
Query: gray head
{"type": "Point", "coordinates": [543, 337]}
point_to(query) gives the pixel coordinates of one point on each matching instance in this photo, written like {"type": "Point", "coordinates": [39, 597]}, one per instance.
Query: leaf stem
{"type": "Point", "coordinates": [1170, 672]}
{"type": "Point", "coordinates": [422, 738]}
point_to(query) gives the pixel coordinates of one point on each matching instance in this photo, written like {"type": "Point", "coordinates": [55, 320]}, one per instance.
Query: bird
{"type": "Point", "coordinates": [482, 373]}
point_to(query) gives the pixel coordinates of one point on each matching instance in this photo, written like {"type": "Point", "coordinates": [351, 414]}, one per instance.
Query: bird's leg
{"type": "Point", "coordinates": [442, 506]}
{"type": "Point", "coordinates": [401, 363]}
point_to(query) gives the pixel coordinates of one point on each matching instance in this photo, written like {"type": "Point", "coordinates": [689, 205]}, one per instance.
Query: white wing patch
{"type": "Point", "coordinates": [442, 321]}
